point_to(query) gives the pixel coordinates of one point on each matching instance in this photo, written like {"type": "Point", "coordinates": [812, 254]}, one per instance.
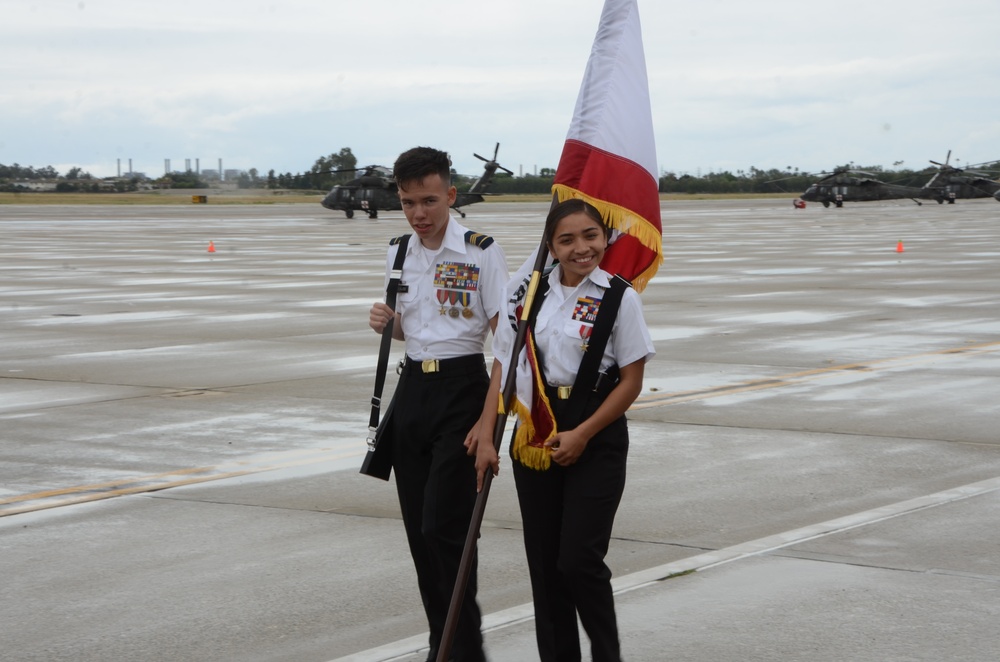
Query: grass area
{"type": "Point", "coordinates": [168, 197]}
{"type": "Point", "coordinates": [258, 197]}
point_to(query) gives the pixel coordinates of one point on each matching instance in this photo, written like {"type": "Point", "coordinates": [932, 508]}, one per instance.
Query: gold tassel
{"type": "Point", "coordinates": [530, 456]}
{"type": "Point", "coordinates": [627, 222]}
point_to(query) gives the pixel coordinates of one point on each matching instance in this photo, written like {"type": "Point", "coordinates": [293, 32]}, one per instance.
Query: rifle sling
{"type": "Point", "coordinates": [395, 276]}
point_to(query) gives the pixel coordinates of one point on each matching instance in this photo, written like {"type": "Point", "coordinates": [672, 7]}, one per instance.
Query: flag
{"type": "Point", "coordinates": [609, 158]}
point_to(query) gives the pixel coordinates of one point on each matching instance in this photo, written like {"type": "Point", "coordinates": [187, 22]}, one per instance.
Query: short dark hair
{"type": "Point", "coordinates": [571, 206]}
{"type": "Point", "coordinates": [419, 162]}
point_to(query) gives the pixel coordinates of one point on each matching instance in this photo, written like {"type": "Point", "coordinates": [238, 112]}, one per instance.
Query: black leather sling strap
{"type": "Point", "coordinates": [395, 276]}
{"type": "Point", "coordinates": [586, 377]}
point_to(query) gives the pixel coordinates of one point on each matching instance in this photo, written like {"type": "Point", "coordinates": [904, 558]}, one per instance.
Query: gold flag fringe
{"type": "Point", "coordinates": [521, 450]}
{"type": "Point", "coordinates": [625, 221]}
{"type": "Point", "coordinates": [532, 457]}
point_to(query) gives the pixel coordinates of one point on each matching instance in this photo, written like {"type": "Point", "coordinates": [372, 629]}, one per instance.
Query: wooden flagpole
{"type": "Point", "coordinates": [509, 391]}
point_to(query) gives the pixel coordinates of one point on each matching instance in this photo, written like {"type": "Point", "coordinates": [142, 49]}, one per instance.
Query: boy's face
{"type": "Point", "coordinates": [426, 203]}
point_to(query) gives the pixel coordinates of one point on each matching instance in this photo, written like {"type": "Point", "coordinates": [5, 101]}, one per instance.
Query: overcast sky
{"type": "Point", "coordinates": [274, 84]}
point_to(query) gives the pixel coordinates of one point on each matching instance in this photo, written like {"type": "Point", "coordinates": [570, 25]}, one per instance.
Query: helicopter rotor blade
{"type": "Point", "coordinates": [983, 163]}
{"type": "Point", "coordinates": [782, 179]}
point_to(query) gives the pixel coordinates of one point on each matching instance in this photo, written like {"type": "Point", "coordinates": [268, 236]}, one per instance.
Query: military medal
{"type": "Point", "coordinates": [585, 331]}
{"type": "Point", "coordinates": [456, 281]}
{"type": "Point", "coordinates": [448, 296]}
{"type": "Point", "coordinates": [586, 312]}
{"type": "Point", "coordinates": [465, 298]}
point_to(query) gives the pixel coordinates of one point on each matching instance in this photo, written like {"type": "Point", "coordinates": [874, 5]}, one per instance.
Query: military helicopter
{"type": "Point", "coordinates": [375, 189]}
{"type": "Point", "coordinates": [847, 185]}
{"type": "Point", "coordinates": [949, 183]}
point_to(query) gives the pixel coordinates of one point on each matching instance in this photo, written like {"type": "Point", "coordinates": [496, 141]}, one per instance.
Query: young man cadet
{"type": "Point", "coordinates": [452, 289]}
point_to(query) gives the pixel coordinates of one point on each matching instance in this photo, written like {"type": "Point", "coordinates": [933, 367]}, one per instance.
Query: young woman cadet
{"type": "Point", "coordinates": [570, 476]}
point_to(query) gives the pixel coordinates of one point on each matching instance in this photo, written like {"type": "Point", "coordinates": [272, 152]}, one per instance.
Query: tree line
{"type": "Point", "coordinates": [342, 166]}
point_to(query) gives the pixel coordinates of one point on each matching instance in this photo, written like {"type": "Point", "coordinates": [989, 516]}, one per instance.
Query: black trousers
{"type": "Point", "coordinates": [436, 484]}
{"type": "Point", "coordinates": [568, 513]}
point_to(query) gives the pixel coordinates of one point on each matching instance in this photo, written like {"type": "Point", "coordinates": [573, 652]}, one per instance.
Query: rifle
{"type": "Point", "coordinates": [509, 392]}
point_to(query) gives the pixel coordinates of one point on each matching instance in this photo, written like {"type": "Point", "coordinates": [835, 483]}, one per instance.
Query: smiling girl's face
{"type": "Point", "coordinates": [579, 243]}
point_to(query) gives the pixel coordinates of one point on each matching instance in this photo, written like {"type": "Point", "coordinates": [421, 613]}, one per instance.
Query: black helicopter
{"type": "Point", "coordinates": [846, 185]}
{"type": "Point", "coordinates": [950, 183]}
{"type": "Point", "coordinates": [375, 189]}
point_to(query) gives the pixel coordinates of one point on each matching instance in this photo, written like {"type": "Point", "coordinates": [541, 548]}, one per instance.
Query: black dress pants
{"type": "Point", "coordinates": [436, 485]}
{"type": "Point", "coordinates": [568, 513]}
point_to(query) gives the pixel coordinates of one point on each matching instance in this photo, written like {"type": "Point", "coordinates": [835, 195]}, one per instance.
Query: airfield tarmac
{"type": "Point", "coordinates": [181, 430]}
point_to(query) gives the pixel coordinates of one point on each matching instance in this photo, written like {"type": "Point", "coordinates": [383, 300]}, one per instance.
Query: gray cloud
{"type": "Point", "coordinates": [275, 85]}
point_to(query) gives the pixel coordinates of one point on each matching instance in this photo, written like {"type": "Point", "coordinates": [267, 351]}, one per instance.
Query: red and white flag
{"type": "Point", "coordinates": [609, 158]}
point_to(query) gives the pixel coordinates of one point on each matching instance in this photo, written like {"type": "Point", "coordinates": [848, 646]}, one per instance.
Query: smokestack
{"type": "Point", "coordinates": [119, 167]}
{"type": "Point", "coordinates": [221, 176]}
{"type": "Point", "coordinates": [187, 165]}
{"type": "Point", "coordinates": [197, 166]}
{"type": "Point", "coordinates": [130, 167]}
{"type": "Point", "coordinates": [166, 167]}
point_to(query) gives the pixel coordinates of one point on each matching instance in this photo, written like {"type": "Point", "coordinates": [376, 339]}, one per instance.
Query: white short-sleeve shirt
{"type": "Point", "coordinates": [563, 325]}
{"type": "Point", "coordinates": [448, 296]}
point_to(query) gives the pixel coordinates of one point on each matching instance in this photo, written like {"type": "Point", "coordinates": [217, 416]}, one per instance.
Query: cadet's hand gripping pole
{"type": "Point", "coordinates": [465, 567]}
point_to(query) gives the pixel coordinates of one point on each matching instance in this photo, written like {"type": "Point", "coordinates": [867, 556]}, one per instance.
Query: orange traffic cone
{"type": "Point", "coordinates": [211, 247]}
{"type": "Point", "coordinates": [899, 246]}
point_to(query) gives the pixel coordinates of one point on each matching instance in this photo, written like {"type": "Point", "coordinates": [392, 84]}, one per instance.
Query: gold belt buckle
{"type": "Point", "coordinates": [430, 365]}
{"type": "Point", "coordinates": [563, 392]}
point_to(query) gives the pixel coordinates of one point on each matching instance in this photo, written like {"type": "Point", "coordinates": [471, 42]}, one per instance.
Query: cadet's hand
{"type": "Point", "coordinates": [472, 440]}
{"type": "Point", "coordinates": [379, 316]}
{"type": "Point", "coordinates": [567, 447]}
{"type": "Point", "coordinates": [486, 458]}
{"type": "Point", "coordinates": [479, 443]}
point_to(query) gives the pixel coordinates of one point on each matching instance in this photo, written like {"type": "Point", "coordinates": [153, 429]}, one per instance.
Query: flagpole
{"type": "Point", "coordinates": [509, 392]}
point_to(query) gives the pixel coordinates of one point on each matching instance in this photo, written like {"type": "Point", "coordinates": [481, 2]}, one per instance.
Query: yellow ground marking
{"type": "Point", "coordinates": [662, 399]}
{"type": "Point", "coordinates": [192, 476]}
{"type": "Point", "coordinates": [86, 493]}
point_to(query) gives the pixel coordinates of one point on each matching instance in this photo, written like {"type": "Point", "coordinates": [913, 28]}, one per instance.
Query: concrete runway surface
{"type": "Point", "coordinates": [180, 430]}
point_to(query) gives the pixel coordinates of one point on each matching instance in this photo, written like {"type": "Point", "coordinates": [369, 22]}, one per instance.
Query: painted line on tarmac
{"type": "Point", "coordinates": [778, 541]}
{"type": "Point", "coordinates": [404, 648]}
{"type": "Point", "coordinates": [795, 378]}
{"type": "Point", "coordinates": [69, 496]}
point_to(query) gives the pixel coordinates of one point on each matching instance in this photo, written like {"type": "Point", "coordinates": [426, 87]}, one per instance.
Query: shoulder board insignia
{"type": "Point", "coordinates": [477, 239]}
{"type": "Point", "coordinates": [396, 240]}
